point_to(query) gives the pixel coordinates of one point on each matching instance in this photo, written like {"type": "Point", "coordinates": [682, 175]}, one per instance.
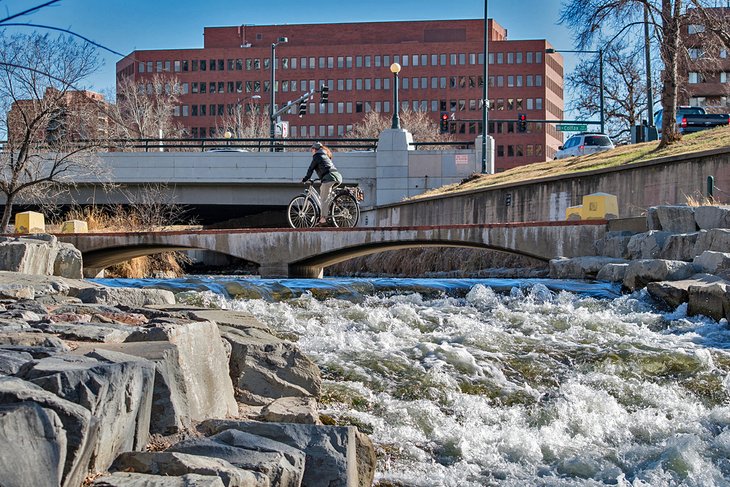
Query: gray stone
{"type": "Point", "coordinates": [332, 451]}
{"type": "Point", "coordinates": [612, 272]}
{"type": "Point", "coordinates": [27, 256]}
{"type": "Point", "coordinates": [68, 262]}
{"type": "Point", "coordinates": [30, 339]}
{"type": "Point", "coordinates": [264, 367]}
{"type": "Point", "coordinates": [11, 361]}
{"type": "Point", "coordinates": [714, 263]}
{"type": "Point", "coordinates": [708, 217]}
{"type": "Point", "coordinates": [679, 247]}
{"type": "Point", "coordinates": [716, 239]}
{"type": "Point", "coordinates": [79, 425]}
{"type": "Point", "coordinates": [302, 410]}
{"type": "Point", "coordinates": [674, 293]}
{"type": "Point", "coordinates": [642, 272]}
{"type": "Point", "coordinates": [126, 479]}
{"type": "Point", "coordinates": [177, 464]}
{"type": "Point", "coordinates": [234, 319]}
{"type": "Point", "coordinates": [677, 219]}
{"type": "Point", "coordinates": [35, 352]}
{"type": "Point", "coordinates": [13, 324]}
{"type": "Point", "coordinates": [126, 296]}
{"type": "Point", "coordinates": [647, 245]}
{"type": "Point", "coordinates": [652, 219]}
{"type": "Point", "coordinates": [94, 332]}
{"type": "Point", "coordinates": [17, 292]}
{"type": "Point", "coordinates": [711, 300]}
{"type": "Point", "coordinates": [580, 267]}
{"type": "Point", "coordinates": [282, 464]}
{"type": "Point", "coordinates": [118, 394]}
{"type": "Point", "coordinates": [43, 285]}
{"type": "Point", "coordinates": [614, 244]}
{"type": "Point", "coordinates": [203, 363]}
{"type": "Point", "coordinates": [33, 450]}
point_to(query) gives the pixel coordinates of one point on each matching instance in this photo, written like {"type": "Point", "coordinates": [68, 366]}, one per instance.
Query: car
{"type": "Point", "coordinates": [584, 143]}
{"type": "Point", "coordinates": [693, 119]}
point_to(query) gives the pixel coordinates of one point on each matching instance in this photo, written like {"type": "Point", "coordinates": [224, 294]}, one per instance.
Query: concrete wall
{"type": "Point", "coordinates": [638, 186]}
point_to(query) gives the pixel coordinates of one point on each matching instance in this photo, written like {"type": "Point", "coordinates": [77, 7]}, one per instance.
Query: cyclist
{"type": "Point", "coordinates": [328, 174]}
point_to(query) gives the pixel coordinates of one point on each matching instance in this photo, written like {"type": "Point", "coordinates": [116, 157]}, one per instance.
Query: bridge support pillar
{"type": "Point", "coordinates": [275, 270]}
{"type": "Point", "coordinates": [306, 272]}
{"type": "Point", "coordinates": [282, 271]}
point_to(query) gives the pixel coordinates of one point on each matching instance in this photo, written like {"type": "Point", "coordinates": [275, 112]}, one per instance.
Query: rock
{"type": "Point", "coordinates": [43, 285]}
{"type": "Point", "coordinates": [717, 263]}
{"type": "Point", "coordinates": [652, 219]}
{"type": "Point", "coordinates": [125, 479]}
{"type": "Point", "coordinates": [118, 394]}
{"type": "Point", "coordinates": [641, 272]}
{"type": "Point", "coordinates": [203, 363]}
{"type": "Point", "coordinates": [68, 262]}
{"type": "Point", "coordinates": [301, 410]}
{"type": "Point", "coordinates": [716, 239]}
{"type": "Point", "coordinates": [13, 324]}
{"type": "Point", "coordinates": [35, 352]}
{"type": "Point", "coordinates": [93, 332]}
{"type": "Point", "coordinates": [332, 451]}
{"type": "Point", "coordinates": [614, 244]}
{"type": "Point", "coordinates": [711, 300]}
{"type": "Point", "coordinates": [126, 296]}
{"type": "Point", "coordinates": [178, 464]}
{"type": "Point", "coordinates": [11, 361]}
{"type": "Point", "coordinates": [612, 272]}
{"type": "Point", "coordinates": [282, 464]}
{"type": "Point", "coordinates": [27, 256]}
{"type": "Point", "coordinates": [580, 267]}
{"type": "Point", "coordinates": [29, 339]}
{"type": "Point", "coordinates": [674, 293]}
{"type": "Point", "coordinates": [647, 245]}
{"type": "Point", "coordinates": [17, 292]}
{"type": "Point", "coordinates": [79, 425]}
{"type": "Point", "coordinates": [234, 319]}
{"type": "Point", "coordinates": [679, 247]}
{"type": "Point", "coordinates": [264, 367]}
{"type": "Point", "coordinates": [677, 219]}
{"type": "Point", "coordinates": [708, 217]}
{"type": "Point", "coordinates": [33, 450]}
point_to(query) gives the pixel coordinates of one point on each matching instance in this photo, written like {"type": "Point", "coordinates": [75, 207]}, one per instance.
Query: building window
{"type": "Point", "coordinates": [368, 60]}
{"type": "Point", "coordinates": [695, 29]}
{"type": "Point", "coordinates": [500, 58]}
{"type": "Point", "coordinates": [510, 58]}
{"type": "Point", "coordinates": [695, 78]}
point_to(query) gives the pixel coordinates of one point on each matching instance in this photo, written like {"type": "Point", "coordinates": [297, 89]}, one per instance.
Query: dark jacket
{"type": "Point", "coordinates": [323, 165]}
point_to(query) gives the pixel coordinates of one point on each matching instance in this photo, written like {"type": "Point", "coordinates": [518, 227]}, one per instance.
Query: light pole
{"type": "Point", "coordinates": [395, 69]}
{"type": "Point", "coordinates": [485, 95]}
{"type": "Point", "coordinates": [272, 90]}
{"type": "Point", "coordinates": [600, 76]}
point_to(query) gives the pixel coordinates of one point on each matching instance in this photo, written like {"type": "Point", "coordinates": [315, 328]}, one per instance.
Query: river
{"type": "Point", "coordinates": [481, 382]}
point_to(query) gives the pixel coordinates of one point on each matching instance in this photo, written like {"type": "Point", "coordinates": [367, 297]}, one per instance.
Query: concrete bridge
{"type": "Point", "coordinates": [305, 253]}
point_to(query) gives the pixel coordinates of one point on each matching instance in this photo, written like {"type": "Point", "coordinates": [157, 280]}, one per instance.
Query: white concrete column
{"type": "Point", "coordinates": [391, 161]}
{"type": "Point", "coordinates": [490, 153]}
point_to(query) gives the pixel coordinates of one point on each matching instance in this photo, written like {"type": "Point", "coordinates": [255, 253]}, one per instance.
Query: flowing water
{"type": "Point", "coordinates": [505, 382]}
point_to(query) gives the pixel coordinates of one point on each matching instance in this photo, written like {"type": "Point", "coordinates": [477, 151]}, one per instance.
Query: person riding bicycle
{"type": "Point", "coordinates": [328, 174]}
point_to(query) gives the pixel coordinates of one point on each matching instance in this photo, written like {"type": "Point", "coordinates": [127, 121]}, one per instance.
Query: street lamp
{"type": "Point", "coordinates": [600, 75]}
{"type": "Point", "coordinates": [272, 89]}
{"type": "Point", "coordinates": [395, 69]}
{"type": "Point", "coordinates": [227, 135]}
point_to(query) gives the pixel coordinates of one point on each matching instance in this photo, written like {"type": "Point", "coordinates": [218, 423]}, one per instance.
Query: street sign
{"type": "Point", "coordinates": [282, 129]}
{"type": "Point", "coordinates": [572, 128]}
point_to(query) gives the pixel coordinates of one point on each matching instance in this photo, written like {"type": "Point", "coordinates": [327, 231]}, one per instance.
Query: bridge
{"type": "Point", "coordinates": [305, 253]}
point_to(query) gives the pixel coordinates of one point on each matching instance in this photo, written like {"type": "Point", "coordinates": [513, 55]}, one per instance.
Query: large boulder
{"type": "Point", "coordinates": [264, 367]}
{"type": "Point", "coordinates": [336, 455]}
{"type": "Point", "coordinates": [11, 361]}
{"type": "Point", "coordinates": [282, 464]}
{"type": "Point", "coordinates": [126, 296]}
{"type": "Point", "coordinates": [652, 219]}
{"type": "Point", "coordinates": [716, 239]}
{"type": "Point", "coordinates": [712, 300]}
{"type": "Point", "coordinates": [79, 427]}
{"type": "Point", "coordinates": [68, 262]}
{"type": "Point", "coordinates": [30, 339]}
{"type": "Point", "coordinates": [203, 365]}
{"type": "Point", "coordinates": [178, 464]}
{"type": "Point", "coordinates": [614, 244]}
{"type": "Point", "coordinates": [641, 272]}
{"type": "Point", "coordinates": [647, 245]}
{"type": "Point", "coordinates": [680, 246]}
{"type": "Point", "coordinates": [714, 263]}
{"type": "Point", "coordinates": [28, 255]}
{"type": "Point", "coordinates": [301, 410]}
{"type": "Point", "coordinates": [674, 293]}
{"type": "Point", "coordinates": [677, 219]}
{"type": "Point", "coordinates": [708, 217]}
{"type": "Point", "coordinates": [118, 394]}
{"type": "Point", "coordinates": [94, 332]}
{"type": "Point", "coordinates": [580, 267]}
{"type": "Point", "coordinates": [612, 272]}
{"type": "Point", "coordinates": [126, 479]}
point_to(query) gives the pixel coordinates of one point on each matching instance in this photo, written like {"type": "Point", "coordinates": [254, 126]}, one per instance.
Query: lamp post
{"type": "Point", "coordinates": [227, 135]}
{"type": "Point", "coordinates": [395, 69]}
{"type": "Point", "coordinates": [600, 76]}
{"type": "Point", "coordinates": [485, 95]}
{"type": "Point", "coordinates": [272, 90]}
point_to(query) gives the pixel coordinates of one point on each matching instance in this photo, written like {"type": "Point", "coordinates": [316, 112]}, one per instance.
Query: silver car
{"type": "Point", "coordinates": [584, 143]}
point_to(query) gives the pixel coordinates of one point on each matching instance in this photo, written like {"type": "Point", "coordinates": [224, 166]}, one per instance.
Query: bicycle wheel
{"type": "Point", "coordinates": [345, 211]}
{"type": "Point", "coordinates": [302, 213]}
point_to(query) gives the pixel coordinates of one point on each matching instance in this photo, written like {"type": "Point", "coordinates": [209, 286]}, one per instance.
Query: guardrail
{"type": "Point", "coordinates": [438, 145]}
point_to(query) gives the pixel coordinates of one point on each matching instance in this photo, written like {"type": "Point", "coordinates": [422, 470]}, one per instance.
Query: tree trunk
{"type": "Point", "coordinates": [670, 54]}
{"type": "Point", "coordinates": [7, 212]}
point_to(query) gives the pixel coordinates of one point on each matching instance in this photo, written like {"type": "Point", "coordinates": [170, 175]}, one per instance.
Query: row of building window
{"type": "Point", "coordinates": [699, 53]}
{"type": "Point", "coordinates": [340, 62]}
{"type": "Point", "coordinates": [696, 77]}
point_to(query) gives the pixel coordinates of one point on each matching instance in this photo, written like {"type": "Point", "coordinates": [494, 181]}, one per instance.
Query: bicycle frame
{"type": "Point", "coordinates": [310, 194]}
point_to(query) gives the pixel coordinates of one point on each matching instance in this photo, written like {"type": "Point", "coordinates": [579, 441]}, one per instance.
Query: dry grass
{"type": "Point", "coordinates": [627, 154]}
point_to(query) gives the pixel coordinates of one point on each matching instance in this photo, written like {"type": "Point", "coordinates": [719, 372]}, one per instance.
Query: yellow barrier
{"type": "Point", "coordinates": [74, 226]}
{"type": "Point", "coordinates": [596, 206]}
{"type": "Point", "coordinates": [30, 222]}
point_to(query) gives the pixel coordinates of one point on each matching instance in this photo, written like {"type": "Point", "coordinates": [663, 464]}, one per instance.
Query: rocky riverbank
{"type": "Point", "coordinates": [124, 387]}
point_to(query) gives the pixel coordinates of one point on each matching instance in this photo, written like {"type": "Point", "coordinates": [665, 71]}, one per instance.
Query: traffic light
{"type": "Point", "coordinates": [303, 108]}
{"type": "Point", "coordinates": [522, 122]}
{"type": "Point", "coordinates": [444, 123]}
{"type": "Point", "coordinates": [324, 92]}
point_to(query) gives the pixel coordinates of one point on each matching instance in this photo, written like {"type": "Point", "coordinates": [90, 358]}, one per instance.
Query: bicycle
{"type": "Point", "coordinates": [304, 210]}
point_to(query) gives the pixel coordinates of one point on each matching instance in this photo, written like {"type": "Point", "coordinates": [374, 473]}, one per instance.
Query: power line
{"type": "Point", "coordinates": [30, 10]}
{"type": "Point", "coordinates": [50, 27]}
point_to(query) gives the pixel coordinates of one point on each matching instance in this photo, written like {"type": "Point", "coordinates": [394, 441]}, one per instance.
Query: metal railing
{"type": "Point", "coordinates": [453, 144]}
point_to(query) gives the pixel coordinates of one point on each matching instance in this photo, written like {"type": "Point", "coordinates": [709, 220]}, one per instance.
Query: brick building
{"type": "Point", "coordinates": [442, 71]}
{"type": "Point", "coordinates": [704, 79]}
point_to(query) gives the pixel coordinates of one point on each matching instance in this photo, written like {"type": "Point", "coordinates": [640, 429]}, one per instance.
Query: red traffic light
{"type": "Point", "coordinates": [444, 116]}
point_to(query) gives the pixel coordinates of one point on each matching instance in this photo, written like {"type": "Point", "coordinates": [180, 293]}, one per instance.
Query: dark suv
{"type": "Point", "coordinates": [584, 143]}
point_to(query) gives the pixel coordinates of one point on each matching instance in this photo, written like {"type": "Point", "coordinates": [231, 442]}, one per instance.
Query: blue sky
{"type": "Point", "coordinates": [126, 25]}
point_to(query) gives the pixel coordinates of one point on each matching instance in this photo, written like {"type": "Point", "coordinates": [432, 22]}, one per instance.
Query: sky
{"type": "Point", "coordinates": [128, 25]}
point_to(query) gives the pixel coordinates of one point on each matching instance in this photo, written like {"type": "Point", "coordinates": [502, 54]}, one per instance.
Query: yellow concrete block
{"type": "Point", "coordinates": [74, 226]}
{"type": "Point", "coordinates": [574, 213]}
{"type": "Point", "coordinates": [30, 222]}
{"type": "Point", "coordinates": [600, 206]}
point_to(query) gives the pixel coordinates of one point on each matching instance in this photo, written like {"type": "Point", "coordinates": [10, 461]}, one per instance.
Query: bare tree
{"type": "Point", "coordinates": [145, 110]}
{"type": "Point", "coordinates": [244, 121]}
{"type": "Point", "coordinates": [52, 128]}
{"type": "Point", "coordinates": [418, 123]}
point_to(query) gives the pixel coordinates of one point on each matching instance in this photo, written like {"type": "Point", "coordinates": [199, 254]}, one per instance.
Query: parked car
{"type": "Point", "coordinates": [584, 143]}
{"type": "Point", "coordinates": [693, 119]}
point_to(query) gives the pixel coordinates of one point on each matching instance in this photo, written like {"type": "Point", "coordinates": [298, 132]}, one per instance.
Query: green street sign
{"type": "Point", "coordinates": [572, 128]}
